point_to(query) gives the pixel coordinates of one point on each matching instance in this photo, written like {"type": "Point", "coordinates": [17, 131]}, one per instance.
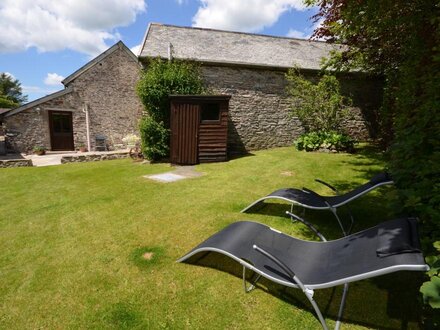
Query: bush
{"type": "Point", "coordinates": [160, 80]}
{"type": "Point", "coordinates": [321, 106]}
{"type": "Point", "coordinates": [154, 139]}
{"type": "Point", "coordinates": [163, 78]}
{"type": "Point", "coordinates": [325, 141]}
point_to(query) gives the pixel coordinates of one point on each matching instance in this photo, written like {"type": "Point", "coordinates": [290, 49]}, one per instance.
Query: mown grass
{"type": "Point", "coordinates": [73, 238]}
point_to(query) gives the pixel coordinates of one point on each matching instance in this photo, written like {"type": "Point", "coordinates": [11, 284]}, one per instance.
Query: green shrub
{"type": "Point", "coordinates": [154, 139]}
{"type": "Point", "coordinates": [163, 78]}
{"type": "Point", "coordinates": [159, 80]}
{"type": "Point", "coordinates": [320, 106]}
{"type": "Point", "coordinates": [325, 140]}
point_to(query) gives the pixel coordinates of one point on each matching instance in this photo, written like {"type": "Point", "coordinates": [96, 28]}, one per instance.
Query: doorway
{"type": "Point", "coordinates": [184, 127]}
{"type": "Point", "coordinates": [61, 130]}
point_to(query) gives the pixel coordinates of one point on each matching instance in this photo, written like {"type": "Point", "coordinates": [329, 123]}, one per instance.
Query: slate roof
{"type": "Point", "coordinates": [234, 48]}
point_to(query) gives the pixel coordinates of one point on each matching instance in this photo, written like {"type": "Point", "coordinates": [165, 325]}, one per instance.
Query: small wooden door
{"type": "Point", "coordinates": [185, 120]}
{"type": "Point", "coordinates": [61, 130]}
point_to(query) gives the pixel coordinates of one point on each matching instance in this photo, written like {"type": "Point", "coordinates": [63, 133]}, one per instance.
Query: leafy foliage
{"type": "Point", "coordinates": [11, 94]}
{"type": "Point", "coordinates": [160, 80]}
{"type": "Point", "coordinates": [154, 139]}
{"type": "Point", "coordinates": [320, 107]}
{"type": "Point", "coordinates": [7, 103]}
{"type": "Point", "coordinates": [163, 78]}
{"type": "Point", "coordinates": [398, 40]}
{"type": "Point", "coordinates": [325, 141]}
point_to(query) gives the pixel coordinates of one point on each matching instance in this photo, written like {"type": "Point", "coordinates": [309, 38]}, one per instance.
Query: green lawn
{"type": "Point", "coordinates": [73, 236]}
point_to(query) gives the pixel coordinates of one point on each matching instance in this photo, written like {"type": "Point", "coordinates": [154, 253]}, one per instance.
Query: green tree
{"type": "Point", "coordinates": [11, 94]}
{"type": "Point", "coordinates": [400, 41]}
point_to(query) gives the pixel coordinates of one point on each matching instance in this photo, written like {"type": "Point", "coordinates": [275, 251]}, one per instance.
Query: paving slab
{"type": "Point", "coordinates": [182, 172]}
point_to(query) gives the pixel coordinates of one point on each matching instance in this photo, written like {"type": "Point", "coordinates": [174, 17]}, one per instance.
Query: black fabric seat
{"type": "Point", "coordinates": [309, 199]}
{"type": "Point", "coordinates": [389, 247]}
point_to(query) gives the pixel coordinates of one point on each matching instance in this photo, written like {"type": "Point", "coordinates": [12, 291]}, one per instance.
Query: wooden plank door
{"type": "Point", "coordinates": [185, 120]}
{"type": "Point", "coordinates": [61, 130]}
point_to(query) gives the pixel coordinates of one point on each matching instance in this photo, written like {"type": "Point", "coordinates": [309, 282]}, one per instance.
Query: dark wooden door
{"type": "Point", "coordinates": [61, 130]}
{"type": "Point", "coordinates": [185, 120]}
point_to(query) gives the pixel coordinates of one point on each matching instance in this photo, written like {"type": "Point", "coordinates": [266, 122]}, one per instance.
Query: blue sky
{"type": "Point", "coordinates": [43, 41]}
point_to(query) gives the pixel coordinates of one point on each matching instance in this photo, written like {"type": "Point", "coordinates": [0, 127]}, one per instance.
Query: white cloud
{"type": "Point", "coordinates": [38, 91]}
{"type": "Point", "coordinates": [296, 34]}
{"type": "Point", "coordinates": [243, 15]}
{"type": "Point", "coordinates": [10, 75]}
{"type": "Point", "coordinates": [53, 79]}
{"type": "Point", "coordinates": [136, 49]}
{"type": "Point", "coordinates": [81, 25]}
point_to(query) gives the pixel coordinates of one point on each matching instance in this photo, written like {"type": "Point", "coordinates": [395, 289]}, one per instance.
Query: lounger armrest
{"type": "Point", "coordinates": [328, 185]}
{"type": "Point", "coordinates": [317, 196]}
{"type": "Point", "coordinates": [308, 224]}
{"type": "Point", "coordinates": [282, 265]}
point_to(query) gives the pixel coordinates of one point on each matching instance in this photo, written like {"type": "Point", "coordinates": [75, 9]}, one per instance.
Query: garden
{"type": "Point", "coordinates": [94, 245]}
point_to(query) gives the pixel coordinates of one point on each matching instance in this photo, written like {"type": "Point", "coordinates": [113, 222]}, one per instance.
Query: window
{"type": "Point", "coordinates": [210, 112]}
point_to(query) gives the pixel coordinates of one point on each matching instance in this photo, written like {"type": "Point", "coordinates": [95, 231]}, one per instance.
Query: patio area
{"type": "Point", "coordinates": [57, 158]}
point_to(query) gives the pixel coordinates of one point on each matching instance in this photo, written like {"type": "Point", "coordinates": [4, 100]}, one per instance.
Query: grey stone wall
{"type": "Point", "coordinates": [7, 163]}
{"type": "Point", "coordinates": [259, 109]}
{"type": "Point", "coordinates": [30, 128]}
{"type": "Point", "coordinates": [107, 88]}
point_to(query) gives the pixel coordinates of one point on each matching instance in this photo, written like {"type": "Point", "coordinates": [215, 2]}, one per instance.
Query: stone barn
{"type": "Point", "coordinates": [251, 68]}
{"type": "Point", "coordinates": [97, 105]}
{"type": "Point", "coordinates": [99, 100]}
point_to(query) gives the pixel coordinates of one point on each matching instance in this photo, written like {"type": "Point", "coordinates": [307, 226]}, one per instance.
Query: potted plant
{"type": "Point", "coordinates": [39, 150]}
{"type": "Point", "coordinates": [82, 147]}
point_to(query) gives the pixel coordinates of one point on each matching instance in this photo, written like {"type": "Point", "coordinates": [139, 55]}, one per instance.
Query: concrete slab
{"type": "Point", "coordinates": [165, 177]}
{"type": "Point", "coordinates": [182, 172]}
{"type": "Point", "coordinates": [46, 160]}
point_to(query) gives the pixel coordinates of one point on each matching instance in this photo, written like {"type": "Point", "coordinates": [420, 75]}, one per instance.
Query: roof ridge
{"type": "Point", "coordinates": [236, 32]}
{"type": "Point", "coordinates": [118, 45]}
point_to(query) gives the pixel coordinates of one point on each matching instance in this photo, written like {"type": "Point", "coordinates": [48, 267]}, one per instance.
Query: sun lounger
{"type": "Point", "coordinates": [308, 265]}
{"type": "Point", "coordinates": [312, 200]}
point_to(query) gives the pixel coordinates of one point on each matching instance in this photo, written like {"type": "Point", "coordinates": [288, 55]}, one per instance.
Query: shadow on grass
{"type": "Point", "coordinates": [238, 156]}
{"type": "Point", "coordinates": [368, 211]}
{"type": "Point", "coordinates": [399, 290]}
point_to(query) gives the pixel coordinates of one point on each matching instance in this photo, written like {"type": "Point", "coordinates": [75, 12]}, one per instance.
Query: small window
{"type": "Point", "coordinates": [210, 112]}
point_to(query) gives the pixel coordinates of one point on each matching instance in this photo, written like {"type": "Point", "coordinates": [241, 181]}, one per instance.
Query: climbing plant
{"type": "Point", "coordinates": [158, 81]}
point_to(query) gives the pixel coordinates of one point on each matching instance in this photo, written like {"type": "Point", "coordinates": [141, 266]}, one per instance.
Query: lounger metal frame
{"type": "Point", "coordinates": [296, 282]}
{"type": "Point", "coordinates": [332, 207]}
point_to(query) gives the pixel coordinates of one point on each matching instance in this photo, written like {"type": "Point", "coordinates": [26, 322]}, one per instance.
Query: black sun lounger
{"type": "Point", "coordinates": [309, 199]}
{"type": "Point", "coordinates": [389, 247]}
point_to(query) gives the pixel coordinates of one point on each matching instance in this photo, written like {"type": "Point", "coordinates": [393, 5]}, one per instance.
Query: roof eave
{"type": "Point", "coordinates": [38, 101]}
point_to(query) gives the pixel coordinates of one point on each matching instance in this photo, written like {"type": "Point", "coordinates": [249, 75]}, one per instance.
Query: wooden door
{"type": "Point", "coordinates": [61, 130]}
{"type": "Point", "coordinates": [185, 120]}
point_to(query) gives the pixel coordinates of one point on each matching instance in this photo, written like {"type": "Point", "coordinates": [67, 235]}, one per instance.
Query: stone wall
{"type": "Point", "coordinates": [12, 163]}
{"type": "Point", "coordinates": [30, 128]}
{"type": "Point", "coordinates": [95, 157]}
{"type": "Point", "coordinates": [107, 88]}
{"type": "Point", "coordinates": [259, 107]}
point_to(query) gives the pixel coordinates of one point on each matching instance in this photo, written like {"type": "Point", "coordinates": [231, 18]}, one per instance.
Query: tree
{"type": "Point", "coordinates": [11, 94]}
{"type": "Point", "coordinates": [400, 41]}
